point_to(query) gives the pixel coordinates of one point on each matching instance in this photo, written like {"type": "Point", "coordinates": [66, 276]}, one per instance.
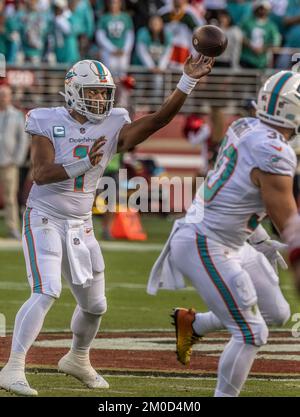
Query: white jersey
{"type": "Point", "coordinates": [232, 204]}
{"type": "Point", "coordinates": [72, 198]}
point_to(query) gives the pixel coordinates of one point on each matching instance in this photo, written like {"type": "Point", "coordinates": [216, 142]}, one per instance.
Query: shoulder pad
{"type": "Point", "coordinates": [275, 157]}
{"type": "Point", "coordinates": [120, 112]}
{"type": "Point", "coordinates": [37, 122]}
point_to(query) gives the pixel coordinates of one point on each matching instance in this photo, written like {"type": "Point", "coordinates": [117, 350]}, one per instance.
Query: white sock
{"type": "Point", "coordinates": [28, 323]}
{"type": "Point", "coordinates": [84, 327]}
{"type": "Point", "coordinates": [81, 357]}
{"type": "Point", "coordinates": [234, 366]}
{"type": "Point", "coordinates": [16, 362]}
{"type": "Point", "coordinates": [206, 323]}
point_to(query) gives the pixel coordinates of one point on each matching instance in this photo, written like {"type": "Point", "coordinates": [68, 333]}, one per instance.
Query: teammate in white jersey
{"type": "Point", "coordinates": [70, 150]}
{"type": "Point", "coordinates": [253, 175]}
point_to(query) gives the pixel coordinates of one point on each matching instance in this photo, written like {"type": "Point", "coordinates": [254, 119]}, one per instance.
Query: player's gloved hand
{"type": "Point", "coordinates": [270, 248]}
{"type": "Point", "coordinates": [262, 242]}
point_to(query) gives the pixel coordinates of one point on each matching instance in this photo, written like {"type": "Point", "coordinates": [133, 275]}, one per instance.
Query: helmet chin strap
{"type": "Point", "coordinates": [66, 99]}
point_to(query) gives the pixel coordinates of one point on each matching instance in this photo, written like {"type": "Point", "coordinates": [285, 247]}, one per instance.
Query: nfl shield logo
{"type": "Point", "coordinates": [82, 130]}
{"type": "Point", "coordinates": [76, 241]}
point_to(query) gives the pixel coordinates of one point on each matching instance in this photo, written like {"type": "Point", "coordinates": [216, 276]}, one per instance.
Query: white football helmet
{"type": "Point", "coordinates": [85, 75]}
{"type": "Point", "coordinates": [279, 100]}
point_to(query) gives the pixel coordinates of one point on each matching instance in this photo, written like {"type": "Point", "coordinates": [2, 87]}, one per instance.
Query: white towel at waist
{"type": "Point", "coordinates": [78, 254]}
{"type": "Point", "coordinates": [164, 275]}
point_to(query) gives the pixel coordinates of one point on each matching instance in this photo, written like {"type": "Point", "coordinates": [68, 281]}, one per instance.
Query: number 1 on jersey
{"type": "Point", "coordinates": [80, 152]}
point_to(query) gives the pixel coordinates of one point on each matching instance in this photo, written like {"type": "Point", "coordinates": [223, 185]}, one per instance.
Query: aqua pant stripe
{"type": "Point", "coordinates": [276, 91]}
{"type": "Point", "coordinates": [37, 281]}
{"type": "Point", "coordinates": [223, 289]}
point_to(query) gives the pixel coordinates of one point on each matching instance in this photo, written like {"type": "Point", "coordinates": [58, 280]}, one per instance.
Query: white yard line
{"type": "Point", "coordinates": [281, 351]}
{"type": "Point", "coordinates": [168, 376]}
{"type": "Point", "coordinates": [14, 245]}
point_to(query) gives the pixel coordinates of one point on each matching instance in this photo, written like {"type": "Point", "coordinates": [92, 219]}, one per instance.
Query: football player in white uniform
{"type": "Point", "coordinates": [70, 150]}
{"type": "Point", "coordinates": [238, 281]}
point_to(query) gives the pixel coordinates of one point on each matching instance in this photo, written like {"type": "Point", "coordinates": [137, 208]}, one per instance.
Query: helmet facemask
{"type": "Point", "coordinates": [94, 109]}
{"type": "Point", "coordinates": [83, 84]}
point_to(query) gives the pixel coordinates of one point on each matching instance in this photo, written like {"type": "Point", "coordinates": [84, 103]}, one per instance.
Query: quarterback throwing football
{"type": "Point", "coordinates": [71, 148]}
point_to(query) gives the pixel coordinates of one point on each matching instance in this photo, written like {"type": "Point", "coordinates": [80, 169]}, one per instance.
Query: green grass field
{"type": "Point", "coordinates": [50, 385]}
{"type": "Point", "coordinates": [129, 308]}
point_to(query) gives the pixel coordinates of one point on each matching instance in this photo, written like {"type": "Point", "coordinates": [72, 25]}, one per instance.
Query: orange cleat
{"type": "Point", "coordinates": [185, 334]}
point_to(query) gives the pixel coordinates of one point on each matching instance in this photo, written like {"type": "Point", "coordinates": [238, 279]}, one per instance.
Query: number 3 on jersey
{"type": "Point", "coordinates": [80, 152]}
{"type": "Point", "coordinates": [220, 175]}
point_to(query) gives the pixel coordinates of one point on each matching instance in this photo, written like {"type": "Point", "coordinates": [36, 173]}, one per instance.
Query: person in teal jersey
{"type": "Point", "coordinates": [239, 10]}
{"type": "Point", "coordinates": [115, 37]}
{"type": "Point", "coordinates": [10, 42]}
{"type": "Point", "coordinates": [260, 34]}
{"type": "Point", "coordinates": [33, 31]}
{"type": "Point", "coordinates": [153, 50]}
{"type": "Point", "coordinates": [153, 46]}
{"type": "Point", "coordinates": [292, 24]}
{"type": "Point", "coordinates": [3, 30]}
{"type": "Point", "coordinates": [13, 40]}
{"type": "Point", "coordinates": [65, 31]}
{"type": "Point", "coordinates": [83, 18]}
{"type": "Point", "coordinates": [84, 14]}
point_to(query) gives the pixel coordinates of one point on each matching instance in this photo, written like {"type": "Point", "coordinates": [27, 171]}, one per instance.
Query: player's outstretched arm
{"type": "Point", "coordinates": [45, 171]}
{"type": "Point", "coordinates": [138, 131]}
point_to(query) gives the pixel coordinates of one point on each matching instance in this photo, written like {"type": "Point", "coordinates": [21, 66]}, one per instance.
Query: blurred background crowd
{"type": "Point", "coordinates": [151, 33]}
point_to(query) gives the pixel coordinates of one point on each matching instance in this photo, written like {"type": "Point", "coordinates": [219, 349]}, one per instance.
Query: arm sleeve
{"type": "Point", "coordinates": [165, 58]}
{"type": "Point", "coordinates": [104, 42]}
{"type": "Point", "coordinates": [62, 23]}
{"type": "Point", "coordinates": [191, 20]}
{"type": "Point", "coordinates": [275, 36]}
{"type": "Point", "coordinates": [129, 40]}
{"type": "Point", "coordinates": [144, 55]}
{"type": "Point", "coordinates": [237, 48]}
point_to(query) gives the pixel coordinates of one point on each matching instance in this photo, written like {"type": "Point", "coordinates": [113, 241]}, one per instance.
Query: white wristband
{"type": "Point", "coordinates": [186, 83]}
{"type": "Point", "coordinates": [76, 168]}
{"type": "Point", "coordinates": [259, 235]}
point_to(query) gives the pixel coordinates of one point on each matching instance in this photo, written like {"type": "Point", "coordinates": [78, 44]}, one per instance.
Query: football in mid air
{"type": "Point", "coordinates": [209, 40]}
